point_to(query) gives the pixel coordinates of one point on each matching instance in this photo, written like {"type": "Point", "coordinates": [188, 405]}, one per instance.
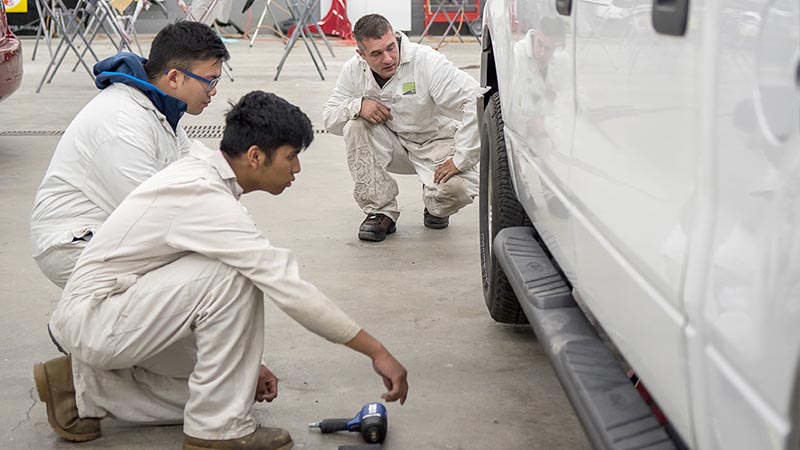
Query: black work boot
{"type": "Point", "coordinates": [434, 222]}
{"type": "Point", "coordinates": [375, 227]}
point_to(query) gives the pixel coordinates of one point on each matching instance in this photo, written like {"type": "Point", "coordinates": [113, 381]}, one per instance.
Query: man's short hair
{"type": "Point", "coordinates": [371, 26]}
{"type": "Point", "coordinates": [181, 45]}
{"type": "Point", "coordinates": [267, 121]}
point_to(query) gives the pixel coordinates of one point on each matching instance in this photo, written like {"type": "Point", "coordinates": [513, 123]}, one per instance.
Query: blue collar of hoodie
{"type": "Point", "coordinates": [127, 68]}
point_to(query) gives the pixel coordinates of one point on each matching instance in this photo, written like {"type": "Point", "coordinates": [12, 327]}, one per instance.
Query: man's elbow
{"type": "Point", "coordinates": [331, 124]}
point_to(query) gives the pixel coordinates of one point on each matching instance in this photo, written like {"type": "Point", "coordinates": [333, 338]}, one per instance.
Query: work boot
{"type": "Point", "coordinates": [434, 222]}
{"type": "Point", "coordinates": [375, 227]}
{"type": "Point", "coordinates": [54, 384]}
{"type": "Point", "coordinates": [262, 439]}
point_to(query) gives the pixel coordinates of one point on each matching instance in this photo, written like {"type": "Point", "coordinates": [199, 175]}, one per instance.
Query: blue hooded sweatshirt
{"type": "Point", "coordinates": [127, 68]}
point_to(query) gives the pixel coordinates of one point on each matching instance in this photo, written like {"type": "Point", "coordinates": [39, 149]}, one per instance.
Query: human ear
{"type": "Point", "coordinates": [255, 156]}
{"type": "Point", "coordinates": [172, 78]}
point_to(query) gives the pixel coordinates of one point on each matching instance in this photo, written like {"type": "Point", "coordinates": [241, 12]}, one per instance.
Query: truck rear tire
{"type": "Point", "coordinates": [499, 208]}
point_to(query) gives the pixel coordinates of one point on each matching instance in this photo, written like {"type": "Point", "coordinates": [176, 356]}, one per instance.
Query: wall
{"type": "Point", "coordinates": [151, 21]}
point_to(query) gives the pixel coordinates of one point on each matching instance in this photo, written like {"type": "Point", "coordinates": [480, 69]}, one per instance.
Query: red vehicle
{"type": "Point", "coordinates": [10, 58]}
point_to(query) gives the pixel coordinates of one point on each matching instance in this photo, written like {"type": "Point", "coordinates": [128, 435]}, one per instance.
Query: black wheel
{"type": "Point", "coordinates": [499, 208]}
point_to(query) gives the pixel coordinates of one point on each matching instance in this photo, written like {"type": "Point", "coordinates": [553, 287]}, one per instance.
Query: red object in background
{"type": "Point", "coordinates": [336, 23]}
{"type": "Point", "coordinates": [10, 57]}
{"type": "Point", "coordinates": [471, 12]}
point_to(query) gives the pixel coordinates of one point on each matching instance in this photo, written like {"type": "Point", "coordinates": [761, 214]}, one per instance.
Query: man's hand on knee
{"type": "Point", "coordinates": [445, 171]}
{"type": "Point", "coordinates": [374, 112]}
{"type": "Point", "coordinates": [267, 387]}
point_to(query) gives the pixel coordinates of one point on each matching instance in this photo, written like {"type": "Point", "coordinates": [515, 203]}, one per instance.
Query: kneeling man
{"type": "Point", "coordinates": [163, 317]}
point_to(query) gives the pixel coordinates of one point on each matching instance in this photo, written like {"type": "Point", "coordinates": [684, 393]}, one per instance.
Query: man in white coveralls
{"type": "Point", "coordinates": [128, 132]}
{"type": "Point", "coordinates": [404, 108]}
{"type": "Point", "coordinates": [163, 318]}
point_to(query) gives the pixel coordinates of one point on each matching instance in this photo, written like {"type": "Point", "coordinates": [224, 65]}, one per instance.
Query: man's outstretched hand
{"type": "Point", "coordinates": [394, 377]}
{"type": "Point", "coordinates": [393, 374]}
{"type": "Point", "coordinates": [267, 387]}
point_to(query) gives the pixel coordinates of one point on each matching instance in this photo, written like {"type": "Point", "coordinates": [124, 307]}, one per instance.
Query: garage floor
{"type": "Point", "coordinates": [474, 384]}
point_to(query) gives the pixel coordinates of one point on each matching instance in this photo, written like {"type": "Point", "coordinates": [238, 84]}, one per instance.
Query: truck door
{"type": "Point", "coordinates": [538, 109]}
{"type": "Point", "coordinates": [745, 308]}
{"type": "Point", "coordinates": [633, 176]}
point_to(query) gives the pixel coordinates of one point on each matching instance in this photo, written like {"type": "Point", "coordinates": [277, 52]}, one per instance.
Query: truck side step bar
{"type": "Point", "coordinates": [612, 412]}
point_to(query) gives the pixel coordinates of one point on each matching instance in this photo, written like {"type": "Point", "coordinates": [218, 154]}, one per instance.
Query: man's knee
{"type": "Point", "coordinates": [57, 263]}
{"type": "Point", "coordinates": [446, 199]}
{"type": "Point", "coordinates": [356, 129]}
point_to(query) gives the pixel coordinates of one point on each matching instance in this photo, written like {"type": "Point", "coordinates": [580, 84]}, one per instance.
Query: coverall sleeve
{"type": "Point", "coordinates": [227, 234]}
{"type": "Point", "coordinates": [454, 90]}
{"type": "Point", "coordinates": [345, 103]}
{"type": "Point", "coordinates": [184, 144]}
{"type": "Point", "coordinates": [120, 164]}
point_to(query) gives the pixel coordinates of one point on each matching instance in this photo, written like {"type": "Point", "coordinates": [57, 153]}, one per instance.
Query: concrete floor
{"type": "Point", "coordinates": [474, 384]}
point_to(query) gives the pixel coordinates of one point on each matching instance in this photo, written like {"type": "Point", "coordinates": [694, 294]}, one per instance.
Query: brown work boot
{"type": "Point", "coordinates": [262, 439]}
{"type": "Point", "coordinates": [54, 384]}
{"type": "Point", "coordinates": [435, 222]}
{"type": "Point", "coordinates": [375, 227]}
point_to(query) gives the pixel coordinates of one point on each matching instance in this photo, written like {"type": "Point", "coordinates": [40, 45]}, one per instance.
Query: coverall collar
{"type": "Point", "coordinates": [220, 164]}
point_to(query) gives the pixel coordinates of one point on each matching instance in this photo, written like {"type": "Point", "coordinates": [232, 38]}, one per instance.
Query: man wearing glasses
{"type": "Point", "coordinates": [127, 133]}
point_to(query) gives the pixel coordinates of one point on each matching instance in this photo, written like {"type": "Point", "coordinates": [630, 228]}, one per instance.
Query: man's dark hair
{"type": "Point", "coordinates": [267, 121]}
{"type": "Point", "coordinates": [371, 26]}
{"type": "Point", "coordinates": [181, 45]}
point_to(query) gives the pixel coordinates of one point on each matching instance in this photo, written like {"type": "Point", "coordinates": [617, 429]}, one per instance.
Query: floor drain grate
{"type": "Point", "coordinates": [31, 133]}
{"type": "Point", "coordinates": [204, 131]}
{"type": "Point", "coordinates": [193, 131]}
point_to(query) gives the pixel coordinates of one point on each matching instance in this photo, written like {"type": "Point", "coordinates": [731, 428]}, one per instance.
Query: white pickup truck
{"type": "Point", "coordinates": [641, 167]}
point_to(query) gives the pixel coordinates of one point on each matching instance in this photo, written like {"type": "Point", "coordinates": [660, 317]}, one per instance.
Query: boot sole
{"type": "Point", "coordinates": [437, 226]}
{"type": "Point", "coordinates": [288, 446]}
{"type": "Point", "coordinates": [42, 387]}
{"type": "Point", "coordinates": [370, 236]}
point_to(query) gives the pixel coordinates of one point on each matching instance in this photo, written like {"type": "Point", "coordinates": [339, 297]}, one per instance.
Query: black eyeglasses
{"type": "Point", "coordinates": [210, 84]}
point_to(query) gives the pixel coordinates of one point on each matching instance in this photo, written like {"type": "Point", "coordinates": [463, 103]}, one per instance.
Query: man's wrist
{"type": "Point", "coordinates": [357, 108]}
{"type": "Point", "coordinates": [458, 163]}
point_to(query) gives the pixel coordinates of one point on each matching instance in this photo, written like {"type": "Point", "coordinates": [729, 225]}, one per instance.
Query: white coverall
{"type": "Point", "coordinates": [117, 141]}
{"type": "Point", "coordinates": [164, 315]}
{"type": "Point", "coordinates": [434, 117]}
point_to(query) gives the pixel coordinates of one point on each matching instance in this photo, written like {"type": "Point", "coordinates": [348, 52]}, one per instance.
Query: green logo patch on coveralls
{"type": "Point", "coordinates": [409, 88]}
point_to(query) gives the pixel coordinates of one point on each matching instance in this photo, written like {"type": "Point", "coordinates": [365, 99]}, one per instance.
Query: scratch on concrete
{"type": "Point", "coordinates": [27, 413]}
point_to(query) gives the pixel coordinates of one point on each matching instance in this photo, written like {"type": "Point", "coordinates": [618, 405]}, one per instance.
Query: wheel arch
{"type": "Point", "coordinates": [488, 66]}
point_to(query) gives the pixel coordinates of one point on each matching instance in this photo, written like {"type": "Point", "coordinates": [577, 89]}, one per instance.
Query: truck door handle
{"type": "Point", "coordinates": [797, 73]}
{"type": "Point", "coordinates": [670, 16]}
{"type": "Point", "coordinates": [564, 7]}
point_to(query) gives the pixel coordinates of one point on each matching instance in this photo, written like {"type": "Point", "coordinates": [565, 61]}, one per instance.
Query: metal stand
{"type": "Point", "coordinates": [276, 28]}
{"type": "Point", "coordinates": [42, 31]}
{"type": "Point", "coordinates": [226, 67]}
{"type": "Point", "coordinates": [69, 23]}
{"type": "Point", "coordinates": [460, 13]}
{"type": "Point", "coordinates": [301, 11]}
{"type": "Point", "coordinates": [103, 13]}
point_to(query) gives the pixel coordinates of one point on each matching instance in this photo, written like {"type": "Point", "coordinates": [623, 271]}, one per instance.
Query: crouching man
{"type": "Point", "coordinates": [404, 108]}
{"type": "Point", "coordinates": [163, 317]}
